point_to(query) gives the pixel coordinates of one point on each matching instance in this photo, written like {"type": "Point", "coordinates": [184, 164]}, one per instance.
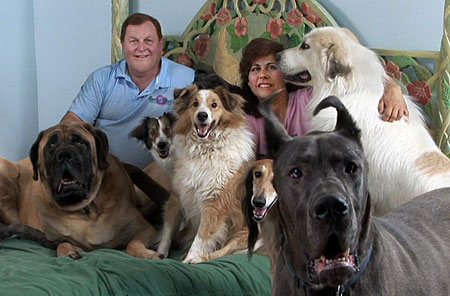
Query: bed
{"type": "Point", "coordinates": [213, 42]}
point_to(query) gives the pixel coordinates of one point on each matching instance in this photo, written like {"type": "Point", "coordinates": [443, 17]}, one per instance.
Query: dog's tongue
{"type": "Point", "coordinates": [203, 130]}
{"type": "Point", "coordinates": [259, 213]}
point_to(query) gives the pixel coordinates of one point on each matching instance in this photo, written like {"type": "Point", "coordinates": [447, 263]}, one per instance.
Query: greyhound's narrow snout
{"type": "Point", "coordinates": [202, 116]}
{"type": "Point", "coordinates": [330, 208]}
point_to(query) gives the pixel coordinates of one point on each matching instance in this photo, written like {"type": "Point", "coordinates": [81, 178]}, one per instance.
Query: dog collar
{"type": "Point", "coordinates": [307, 286]}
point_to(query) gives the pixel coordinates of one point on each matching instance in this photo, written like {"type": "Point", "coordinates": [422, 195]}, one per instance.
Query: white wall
{"type": "Point", "coordinates": [174, 15]}
{"type": "Point", "coordinates": [49, 47]}
{"type": "Point", "coordinates": [397, 24]}
{"type": "Point", "coordinates": [72, 39]}
{"type": "Point", "coordinates": [18, 106]}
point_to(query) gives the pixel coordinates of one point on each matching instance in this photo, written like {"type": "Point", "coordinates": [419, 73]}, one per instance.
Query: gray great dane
{"type": "Point", "coordinates": [329, 242]}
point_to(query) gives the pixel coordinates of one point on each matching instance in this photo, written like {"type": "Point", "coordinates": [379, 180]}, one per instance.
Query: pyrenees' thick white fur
{"type": "Point", "coordinates": [403, 159]}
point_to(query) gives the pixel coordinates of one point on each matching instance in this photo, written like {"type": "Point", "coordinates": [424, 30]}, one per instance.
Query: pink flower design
{"type": "Point", "coordinates": [202, 46]}
{"type": "Point", "coordinates": [274, 27]}
{"type": "Point", "coordinates": [393, 70]}
{"type": "Point", "coordinates": [294, 17]}
{"type": "Point", "coordinates": [420, 90]}
{"type": "Point", "coordinates": [240, 26]}
{"type": "Point", "coordinates": [311, 15]}
{"type": "Point", "coordinates": [209, 12]}
{"type": "Point", "coordinates": [184, 59]}
{"type": "Point", "coordinates": [259, 1]}
{"type": "Point", "coordinates": [223, 16]}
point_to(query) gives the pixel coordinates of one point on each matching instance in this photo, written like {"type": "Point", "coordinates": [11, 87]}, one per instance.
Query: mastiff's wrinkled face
{"type": "Point", "coordinates": [69, 159]}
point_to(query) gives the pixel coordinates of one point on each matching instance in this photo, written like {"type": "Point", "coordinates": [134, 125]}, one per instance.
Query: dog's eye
{"type": "Point", "coordinates": [152, 132]}
{"type": "Point", "coordinates": [195, 104]}
{"type": "Point", "coordinates": [214, 105]}
{"type": "Point", "coordinates": [167, 131]}
{"type": "Point", "coordinates": [351, 168]}
{"type": "Point", "coordinates": [296, 173]}
{"type": "Point", "coordinates": [258, 174]}
{"type": "Point", "coordinates": [80, 142]}
{"type": "Point", "coordinates": [304, 45]}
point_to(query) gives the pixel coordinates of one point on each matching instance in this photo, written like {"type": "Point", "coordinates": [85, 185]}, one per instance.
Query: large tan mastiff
{"type": "Point", "coordinates": [75, 191]}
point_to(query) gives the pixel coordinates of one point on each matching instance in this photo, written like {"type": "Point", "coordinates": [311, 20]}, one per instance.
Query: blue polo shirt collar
{"type": "Point", "coordinates": [161, 81]}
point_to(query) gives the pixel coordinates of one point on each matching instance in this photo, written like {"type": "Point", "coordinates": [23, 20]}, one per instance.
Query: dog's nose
{"type": "Point", "coordinates": [331, 208]}
{"type": "Point", "coordinates": [202, 116]}
{"type": "Point", "coordinates": [161, 145]}
{"type": "Point", "coordinates": [258, 203]}
{"type": "Point", "coordinates": [64, 155]}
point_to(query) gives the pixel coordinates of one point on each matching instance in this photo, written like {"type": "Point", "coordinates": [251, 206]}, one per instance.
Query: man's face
{"type": "Point", "coordinates": [142, 49]}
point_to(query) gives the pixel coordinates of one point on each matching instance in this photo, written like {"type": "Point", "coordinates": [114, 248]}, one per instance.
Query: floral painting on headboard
{"type": "Point", "coordinates": [214, 39]}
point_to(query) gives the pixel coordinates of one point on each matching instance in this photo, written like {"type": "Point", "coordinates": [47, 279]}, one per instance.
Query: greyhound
{"type": "Point", "coordinates": [329, 242]}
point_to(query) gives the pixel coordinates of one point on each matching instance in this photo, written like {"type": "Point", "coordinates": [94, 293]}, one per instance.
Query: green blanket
{"type": "Point", "coordinates": [27, 268]}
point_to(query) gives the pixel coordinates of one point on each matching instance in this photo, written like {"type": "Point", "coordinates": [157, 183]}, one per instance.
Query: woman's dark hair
{"type": "Point", "coordinates": [138, 19]}
{"type": "Point", "coordinates": [255, 49]}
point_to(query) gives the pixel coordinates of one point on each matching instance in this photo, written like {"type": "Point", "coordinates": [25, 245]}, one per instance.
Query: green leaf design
{"type": "Point", "coordinates": [235, 43]}
{"type": "Point", "coordinates": [428, 108]}
{"type": "Point", "coordinates": [403, 61]}
{"type": "Point", "coordinates": [445, 92]}
{"type": "Point", "coordinates": [230, 29]}
{"type": "Point", "coordinates": [405, 79]}
{"type": "Point", "coordinates": [293, 41]}
{"type": "Point", "coordinates": [421, 72]}
{"type": "Point", "coordinates": [286, 28]}
{"type": "Point", "coordinates": [266, 35]}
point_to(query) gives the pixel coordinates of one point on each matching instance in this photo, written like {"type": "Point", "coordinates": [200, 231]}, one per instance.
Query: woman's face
{"type": "Point", "coordinates": [265, 77]}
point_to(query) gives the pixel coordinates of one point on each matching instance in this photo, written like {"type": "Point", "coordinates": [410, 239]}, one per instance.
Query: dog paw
{"type": "Point", "coordinates": [67, 249]}
{"type": "Point", "coordinates": [162, 256]}
{"type": "Point", "coordinates": [194, 260]}
{"type": "Point", "coordinates": [148, 254]}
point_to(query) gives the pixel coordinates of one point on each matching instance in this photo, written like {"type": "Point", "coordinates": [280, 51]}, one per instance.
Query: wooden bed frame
{"type": "Point", "coordinates": [214, 38]}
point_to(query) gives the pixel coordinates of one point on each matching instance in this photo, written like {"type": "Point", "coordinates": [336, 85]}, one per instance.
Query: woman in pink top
{"type": "Point", "coordinates": [261, 77]}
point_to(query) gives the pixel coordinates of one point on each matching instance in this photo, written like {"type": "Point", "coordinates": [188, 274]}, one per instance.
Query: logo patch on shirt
{"type": "Point", "coordinates": [159, 99]}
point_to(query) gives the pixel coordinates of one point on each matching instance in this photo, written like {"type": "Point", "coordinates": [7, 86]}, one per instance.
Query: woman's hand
{"type": "Point", "coordinates": [392, 105]}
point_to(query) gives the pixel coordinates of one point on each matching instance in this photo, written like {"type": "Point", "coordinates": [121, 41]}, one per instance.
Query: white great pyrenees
{"type": "Point", "coordinates": [403, 159]}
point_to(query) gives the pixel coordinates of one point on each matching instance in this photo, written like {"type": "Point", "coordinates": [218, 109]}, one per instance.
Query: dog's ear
{"type": "Point", "coordinates": [140, 132]}
{"type": "Point", "coordinates": [247, 210]}
{"type": "Point", "coordinates": [337, 61]}
{"type": "Point", "coordinates": [182, 98]}
{"type": "Point", "coordinates": [172, 118]}
{"type": "Point", "coordinates": [344, 123]}
{"type": "Point", "coordinates": [102, 145]}
{"type": "Point", "coordinates": [34, 155]}
{"type": "Point", "coordinates": [276, 134]}
{"type": "Point", "coordinates": [230, 100]}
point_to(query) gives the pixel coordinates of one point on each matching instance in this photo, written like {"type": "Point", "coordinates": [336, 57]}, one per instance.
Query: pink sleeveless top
{"type": "Point", "coordinates": [296, 121]}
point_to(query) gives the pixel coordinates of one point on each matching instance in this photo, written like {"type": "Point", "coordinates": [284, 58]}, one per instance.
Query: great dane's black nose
{"type": "Point", "coordinates": [330, 208]}
{"type": "Point", "coordinates": [202, 116]}
{"type": "Point", "coordinates": [63, 155]}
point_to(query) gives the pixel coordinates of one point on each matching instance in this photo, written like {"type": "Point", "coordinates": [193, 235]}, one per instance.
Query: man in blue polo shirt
{"type": "Point", "coordinates": [117, 97]}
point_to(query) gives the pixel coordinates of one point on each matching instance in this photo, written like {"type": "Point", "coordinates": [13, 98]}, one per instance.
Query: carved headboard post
{"type": "Point", "coordinates": [443, 105]}
{"type": "Point", "coordinates": [120, 11]}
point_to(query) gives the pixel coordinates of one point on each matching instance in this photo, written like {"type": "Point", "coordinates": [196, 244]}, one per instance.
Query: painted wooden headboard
{"type": "Point", "coordinates": [215, 37]}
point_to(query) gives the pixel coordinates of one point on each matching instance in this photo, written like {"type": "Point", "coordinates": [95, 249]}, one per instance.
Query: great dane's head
{"type": "Point", "coordinates": [69, 160]}
{"type": "Point", "coordinates": [323, 202]}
